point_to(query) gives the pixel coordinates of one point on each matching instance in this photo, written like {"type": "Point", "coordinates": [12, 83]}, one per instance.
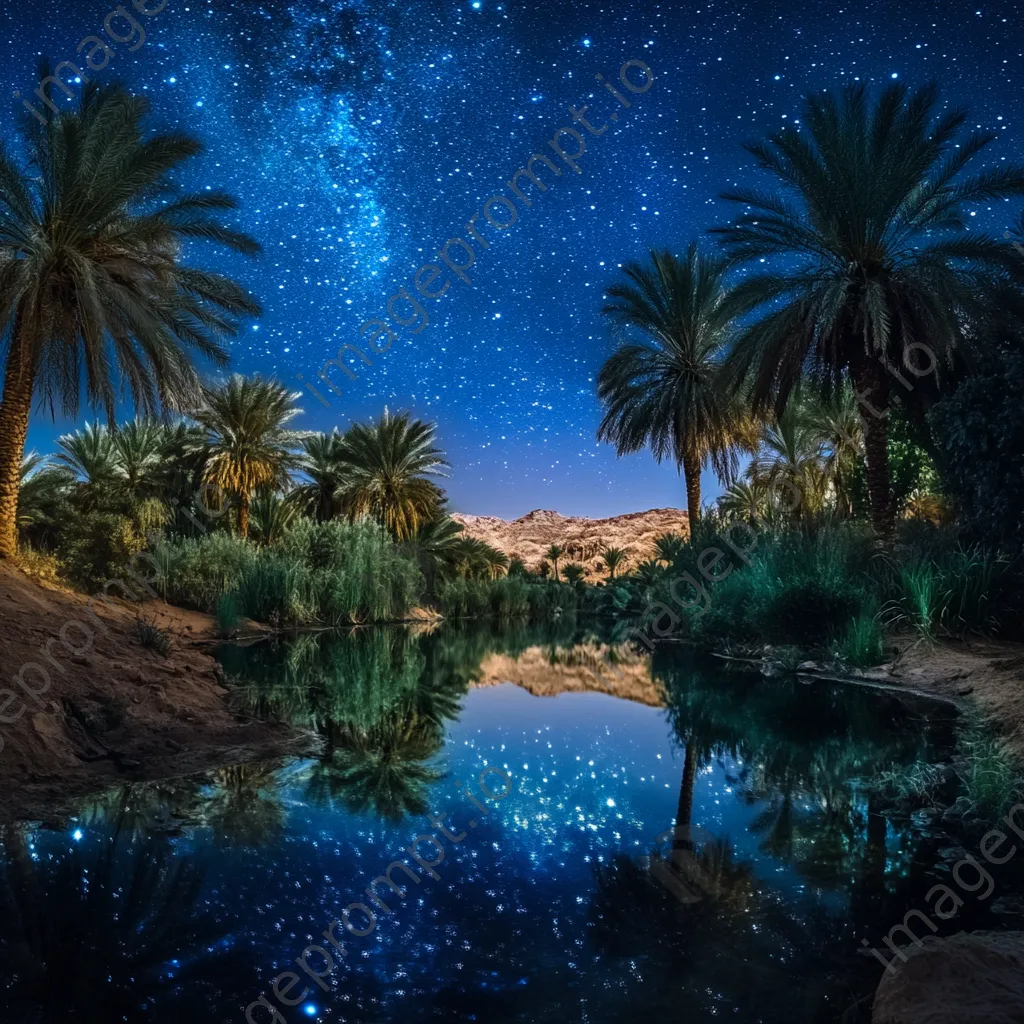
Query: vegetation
{"type": "Point", "coordinates": [92, 276]}
{"type": "Point", "coordinates": [870, 496]}
{"type": "Point", "coordinates": [668, 393]}
{"type": "Point", "coordinates": [874, 268]}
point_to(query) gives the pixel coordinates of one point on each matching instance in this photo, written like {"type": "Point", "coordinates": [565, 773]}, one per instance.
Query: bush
{"type": "Point", "coordinates": [979, 432]}
{"type": "Point", "coordinates": [99, 545]}
{"type": "Point", "coordinates": [798, 589]}
{"type": "Point", "coordinates": [506, 599]}
{"type": "Point", "coordinates": [155, 637]}
{"type": "Point", "coordinates": [196, 573]}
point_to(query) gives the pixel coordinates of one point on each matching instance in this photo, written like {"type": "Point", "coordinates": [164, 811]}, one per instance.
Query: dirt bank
{"type": "Point", "coordinates": [84, 703]}
{"type": "Point", "coordinates": [985, 676]}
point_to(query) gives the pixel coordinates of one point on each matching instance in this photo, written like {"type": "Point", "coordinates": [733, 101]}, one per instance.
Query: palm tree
{"type": "Point", "coordinates": [387, 465]}
{"type": "Point", "coordinates": [669, 546]}
{"type": "Point", "coordinates": [248, 445]}
{"type": "Point", "coordinates": [139, 449]}
{"type": "Point", "coordinates": [321, 462]}
{"type": "Point", "coordinates": [791, 463]}
{"type": "Point", "coordinates": [744, 500]}
{"type": "Point", "coordinates": [838, 424]}
{"type": "Point", "coordinates": [91, 240]}
{"type": "Point", "coordinates": [269, 516]}
{"type": "Point", "coordinates": [877, 271]}
{"type": "Point", "coordinates": [42, 496]}
{"type": "Point", "coordinates": [613, 558]}
{"type": "Point", "coordinates": [90, 455]}
{"type": "Point", "coordinates": [666, 392]}
{"type": "Point", "coordinates": [574, 573]}
{"type": "Point", "coordinates": [553, 554]}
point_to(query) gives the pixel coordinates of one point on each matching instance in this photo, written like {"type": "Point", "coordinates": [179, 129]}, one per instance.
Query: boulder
{"type": "Point", "coordinates": [970, 978]}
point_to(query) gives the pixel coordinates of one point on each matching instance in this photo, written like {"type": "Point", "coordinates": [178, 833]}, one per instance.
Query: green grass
{"type": "Point", "coordinates": [334, 574]}
{"type": "Point", "coordinates": [990, 774]}
{"type": "Point", "coordinates": [862, 645]}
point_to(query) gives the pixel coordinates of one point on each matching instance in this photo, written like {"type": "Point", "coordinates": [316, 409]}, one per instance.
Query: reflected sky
{"type": "Point", "coordinates": [188, 896]}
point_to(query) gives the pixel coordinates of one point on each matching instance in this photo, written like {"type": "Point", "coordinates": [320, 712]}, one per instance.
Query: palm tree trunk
{"type": "Point", "coordinates": [15, 408]}
{"type": "Point", "coordinates": [872, 387]}
{"type": "Point", "coordinates": [684, 812]}
{"type": "Point", "coordinates": [243, 514]}
{"type": "Point", "coordinates": [691, 473]}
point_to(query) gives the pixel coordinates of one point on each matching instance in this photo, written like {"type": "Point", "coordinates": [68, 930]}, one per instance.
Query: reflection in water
{"type": "Point", "coordinates": [681, 841]}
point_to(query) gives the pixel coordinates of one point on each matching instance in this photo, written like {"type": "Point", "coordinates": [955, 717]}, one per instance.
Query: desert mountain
{"type": "Point", "coordinates": [531, 535]}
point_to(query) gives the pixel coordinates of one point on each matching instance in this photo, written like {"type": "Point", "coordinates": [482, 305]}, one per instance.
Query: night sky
{"type": "Point", "coordinates": [361, 136]}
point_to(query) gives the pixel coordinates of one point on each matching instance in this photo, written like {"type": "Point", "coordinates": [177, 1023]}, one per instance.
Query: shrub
{"type": "Point", "coordinates": [99, 545]}
{"type": "Point", "coordinates": [155, 637]}
{"type": "Point", "coordinates": [798, 588]}
{"type": "Point", "coordinates": [979, 432]}
{"type": "Point", "coordinates": [197, 572]}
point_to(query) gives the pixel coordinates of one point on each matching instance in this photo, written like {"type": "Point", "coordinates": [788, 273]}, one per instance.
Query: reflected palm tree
{"type": "Point", "coordinates": [386, 770]}
{"type": "Point", "coordinates": [104, 930]}
{"type": "Point", "coordinates": [245, 808]}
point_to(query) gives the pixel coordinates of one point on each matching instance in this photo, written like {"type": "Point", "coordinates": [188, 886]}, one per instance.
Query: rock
{"type": "Point", "coordinates": [970, 978]}
{"type": "Point", "coordinates": [531, 535]}
{"type": "Point", "coordinates": [808, 666]}
{"type": "Point", "coordinates": [964, 691]}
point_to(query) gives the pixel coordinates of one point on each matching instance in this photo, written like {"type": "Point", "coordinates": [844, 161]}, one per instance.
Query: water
{"type": "Point", "coordinates": [566, 898]}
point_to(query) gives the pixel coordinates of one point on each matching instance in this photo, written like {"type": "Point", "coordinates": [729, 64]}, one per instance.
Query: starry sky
{"type": "Point", "coordinates": [361, 135]}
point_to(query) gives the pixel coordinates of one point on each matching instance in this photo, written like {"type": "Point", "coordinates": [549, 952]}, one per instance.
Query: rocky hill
{"type": "Point", "coordinates": [531, 535]}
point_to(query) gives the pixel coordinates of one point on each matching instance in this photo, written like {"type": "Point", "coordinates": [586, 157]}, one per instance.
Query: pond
{"type": "Point", "coordinates": [529, 781]}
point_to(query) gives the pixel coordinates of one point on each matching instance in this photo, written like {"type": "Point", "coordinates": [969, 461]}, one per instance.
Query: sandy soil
{"type": "Point", "coordinates": [84, 703]}
{"type": "Point", "coordinates": [982, 675]}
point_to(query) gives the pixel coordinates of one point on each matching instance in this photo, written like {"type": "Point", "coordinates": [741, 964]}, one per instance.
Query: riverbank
{"type": "Point", "coordinates": [87, 701]}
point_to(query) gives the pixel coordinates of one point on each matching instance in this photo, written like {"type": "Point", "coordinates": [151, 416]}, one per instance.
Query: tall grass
{"type": "Point", "coordinates": [862, 645]}
{"type": "Point", "coordinates": [954, 592]}
{"type": "Point", "coordinates": [333, 573]}
{"type": "Point", "coordinates": [507, 599]}
{"type": "Point", "coordinates": [988, 771]}
{"type": "Point", "coordinates": [798, 588]}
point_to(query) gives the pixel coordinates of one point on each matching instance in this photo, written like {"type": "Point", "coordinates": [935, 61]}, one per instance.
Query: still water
{"type": "Point", "coordinates": [561, 763]}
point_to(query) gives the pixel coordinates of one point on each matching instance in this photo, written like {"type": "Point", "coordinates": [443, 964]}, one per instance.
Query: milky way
{"type": "Point", "coordinates": [360, 136]}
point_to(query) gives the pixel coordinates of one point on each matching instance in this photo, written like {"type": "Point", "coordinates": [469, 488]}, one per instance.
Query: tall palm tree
{"type": "Point", "coordinates": [613, 558]}
{"type": "Point", "coordinates": [321, 462]}
{"type": "Point", "coordinates": [666, 392]}
{"type": "Point", "coordinates": [553, 554]}
{"type": "Point", "coordinates": [249, 447]}
{"type": "Point", "coordinates": [388, 464]}
{"type": "Point", "coordinates": [91, 272]}
{"type": "Point", "coordinates": [877, 271]}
